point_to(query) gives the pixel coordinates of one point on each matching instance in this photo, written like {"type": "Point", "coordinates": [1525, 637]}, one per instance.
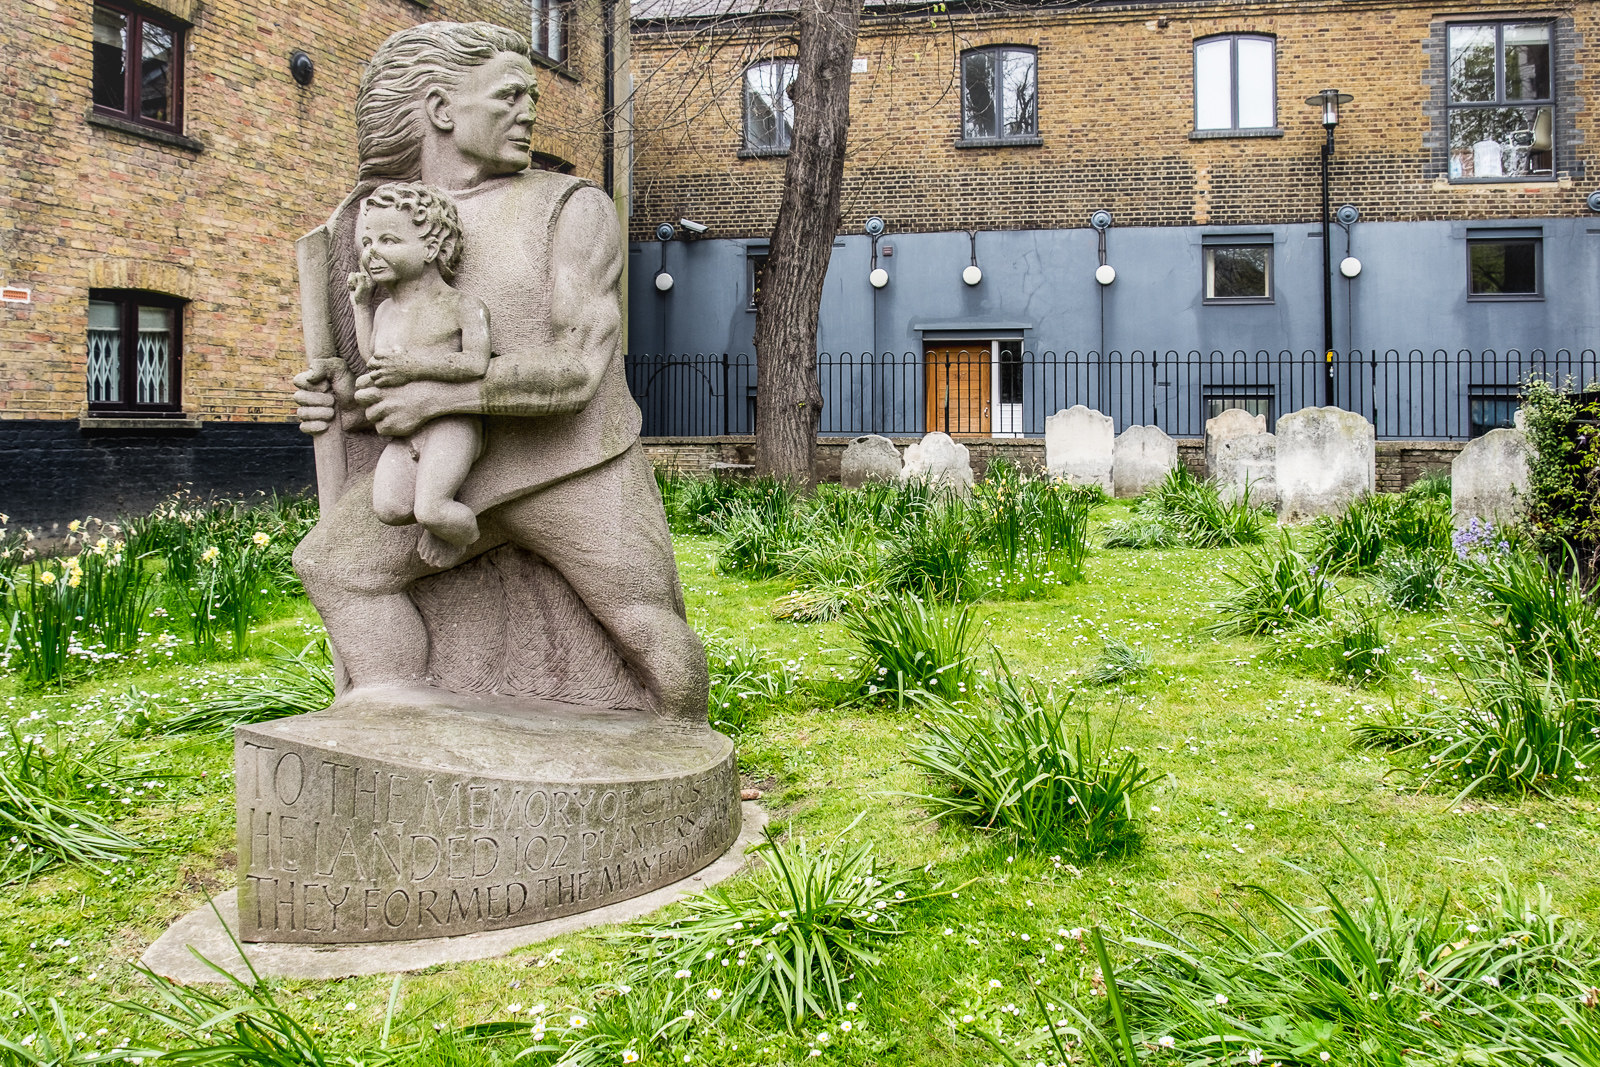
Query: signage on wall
{"type": "Point", "coordinates": [16, 294]}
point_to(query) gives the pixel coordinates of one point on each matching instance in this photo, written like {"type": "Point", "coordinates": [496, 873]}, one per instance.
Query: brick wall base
{"type": "Point", "coordinates": [52, 472]}
{"type": "Point", "coordinates": [1399, 463]}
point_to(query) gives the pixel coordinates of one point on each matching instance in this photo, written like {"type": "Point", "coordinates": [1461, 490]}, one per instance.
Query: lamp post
{"type": "Point", "coordinates": [1329, 100]}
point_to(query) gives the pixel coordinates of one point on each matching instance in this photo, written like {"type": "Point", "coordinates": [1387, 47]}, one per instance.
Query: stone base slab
{"type": "Point", "coordinates": [173, 954]}
{"type": "Point", "coordinates": [406, 814]}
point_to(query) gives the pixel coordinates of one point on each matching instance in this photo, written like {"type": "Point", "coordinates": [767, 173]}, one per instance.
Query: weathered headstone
{"type": "Point", "coordinates": [1488, 478]}
{"type": "Point", "coordinates": [940, 459]}
{"type": "Point", "coordinates": [1140, 458]}
{"type": "Point", "coordinates": [1253, 460]}
{"type": "Point", "coordinates": [1079, 445]}
{"type": "Point", "coordinates": [520, 729]}
{"type": "Point", "coordinates": [867, 459]}
{"type": "Point", "coordinates": [1231, 423]}
{"type": "Point", "coordinates": [1326, 458]}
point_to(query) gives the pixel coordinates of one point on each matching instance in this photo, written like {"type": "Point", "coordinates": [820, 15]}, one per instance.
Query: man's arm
{"type": "Point", "coordinates": [585, 318]}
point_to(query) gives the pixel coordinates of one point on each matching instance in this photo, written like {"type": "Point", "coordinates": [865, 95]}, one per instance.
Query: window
{"type": "Point", "coordinates": [1251, 401]}
{"type": "Point", "coordinates": [1235, 83]}
{"type": "Point", "coordinates": [1504, 265]}
{"type": "Point", "coordinates": [134, 351]}
{"type": "Point", "coordinates": [549, 34]}
{"type": "Point", "coordinates": [755, 273]}
{"type": "Point", "coordinates": [138, 65]}
{"type": "Point", "coordinates": [1491, 411]}
{"type": "Point", "coordinates": [1238, 273]}
{"type": "Point", "coordinates": [769, 107]}
{"type": "Point", "coordinates": [1500, 105]}
{"type": "Point", "coordinates": [999, 94]}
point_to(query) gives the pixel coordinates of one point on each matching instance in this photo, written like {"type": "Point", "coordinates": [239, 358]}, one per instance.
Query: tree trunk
{"type": "Point", "coordinates": [788, 398]}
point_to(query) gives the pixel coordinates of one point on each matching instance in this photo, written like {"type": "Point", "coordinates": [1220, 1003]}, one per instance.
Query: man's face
{"type": "Point", "coordinates": [493, 113]}
{"type": "Point", "coordinates": [392, 246]}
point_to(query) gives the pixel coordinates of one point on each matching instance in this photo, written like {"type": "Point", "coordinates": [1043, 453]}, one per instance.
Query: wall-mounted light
{"type": "Point", "coordinates": [663, 281]}
{"type": "Point", "coordinates": [664, 233]}
{"type": "Point", "coordinates": [973, 274]}
{"type": "Point", "coordinates": [301, 68]}
{"type": "Point", "coordinates": [1101, 220]}
{"type": "Point", "coordinates": [873, 228]}
{"type": "Point", "coordinates": [1349, 266]}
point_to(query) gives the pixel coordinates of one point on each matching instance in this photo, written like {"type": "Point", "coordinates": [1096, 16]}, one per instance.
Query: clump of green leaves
{"type": "Point", "coordinates": [1348, 646]}
{"type": "Point", "coordinates": [1274, 590]}
{"type": "Point", "coordinates": [745, 681]}
{"type": "Point", "coordinates": [295, 684]}
{"type": "Point", "coordinates": [798, 927]}
{"type": "Point", "coordinates": [909, 649]}
{"type": "Point", "coordinates": [1013, 762]}
{"type": "Point", "coordinates": [1563, 499]}
{"type": "Point", "coordinates": [1119, 662]}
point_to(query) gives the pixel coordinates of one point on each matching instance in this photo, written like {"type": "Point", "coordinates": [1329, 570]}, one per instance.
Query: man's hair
{"type": "Point", "coordinates": [389, 117]}
{"type": "Point", "coordinates": [431, 211]}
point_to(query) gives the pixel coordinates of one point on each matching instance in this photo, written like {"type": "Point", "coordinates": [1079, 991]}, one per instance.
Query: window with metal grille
{"type": "Point", "coordinates": [134, 351]}
{"type": "Point", "coordinates": [138, 67]}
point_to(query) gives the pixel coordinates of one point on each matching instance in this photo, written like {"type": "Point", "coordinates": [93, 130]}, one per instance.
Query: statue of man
{"type": "Point", "coordinates": [561, 473]}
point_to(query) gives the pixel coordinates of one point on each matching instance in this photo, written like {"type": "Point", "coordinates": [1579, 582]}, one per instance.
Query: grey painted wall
{"type": "Point", "coordinates": [1412, 291]}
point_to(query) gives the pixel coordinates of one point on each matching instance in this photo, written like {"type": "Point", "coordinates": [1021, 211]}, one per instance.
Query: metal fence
{"type": "Point", "coordinates": [1001, 390]}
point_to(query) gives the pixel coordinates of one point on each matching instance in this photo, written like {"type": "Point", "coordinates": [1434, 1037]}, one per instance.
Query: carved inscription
{"type": "Point", "coordinates": [335, 848]}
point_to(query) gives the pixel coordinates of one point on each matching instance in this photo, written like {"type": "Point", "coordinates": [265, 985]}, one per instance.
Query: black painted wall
{"type": "Point", "coordinates": [52, 472]}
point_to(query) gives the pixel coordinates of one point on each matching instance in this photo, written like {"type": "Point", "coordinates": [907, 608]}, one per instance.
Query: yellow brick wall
{"type": "Point", "coordinates": [84, 206]}
{"type": "Point", "coordinates": [1115, 113]}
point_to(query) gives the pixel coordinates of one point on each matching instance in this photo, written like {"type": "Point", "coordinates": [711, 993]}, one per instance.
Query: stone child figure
{"type": "Point", "coordinates": [410, 243]}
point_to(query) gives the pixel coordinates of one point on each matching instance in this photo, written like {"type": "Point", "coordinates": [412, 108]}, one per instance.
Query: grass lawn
{"type": "Point", "coordinates": [1256, 781]}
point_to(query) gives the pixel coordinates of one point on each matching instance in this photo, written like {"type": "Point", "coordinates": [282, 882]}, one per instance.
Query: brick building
{"type": "Point", "coordinates": [989, 136]}
{"type": "Point", "coordinates": [161, 158]}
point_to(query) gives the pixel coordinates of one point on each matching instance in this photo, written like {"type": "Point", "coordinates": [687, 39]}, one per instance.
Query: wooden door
{"type": "Point", "coordinates": [958, 390]}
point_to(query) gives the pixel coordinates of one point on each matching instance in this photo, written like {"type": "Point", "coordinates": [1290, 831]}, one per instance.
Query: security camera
{"type": "Point", "coordinates": [696, 228]}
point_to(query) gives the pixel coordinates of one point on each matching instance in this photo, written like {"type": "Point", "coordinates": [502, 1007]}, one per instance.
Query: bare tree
{"type": "Point", "coordinates": [788, 397]}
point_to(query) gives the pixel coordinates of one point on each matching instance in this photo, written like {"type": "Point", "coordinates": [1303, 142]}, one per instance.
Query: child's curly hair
{"type": "Point", "coordinates": [431, 210]}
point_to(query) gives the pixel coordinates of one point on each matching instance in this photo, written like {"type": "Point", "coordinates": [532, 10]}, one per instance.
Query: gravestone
{"type": "Point", "coordinates": [1489, 477]}
{"type": "Point", "coordinates": [940, 459]}
{"type": "Point", "coordinates": [1253, 460]}
{"type": "Point", "coordinates": [520, 727]}
{"type": "Point", "coordinates": [869, 458]}
{"type": "Point", "coordinates": [1231, 423]}
{"type": "Point", "coordinates": [1079, 446]}
{"type": "Point", "coordinates": [1141, 457]}
{"type": "Point", "coordinates": [1326, 458]}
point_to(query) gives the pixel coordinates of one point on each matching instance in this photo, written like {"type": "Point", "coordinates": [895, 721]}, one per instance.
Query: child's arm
{"type": "Point", "coordinates": [361, 300]}
{"type": "Point", "coordinates": [472, 362]}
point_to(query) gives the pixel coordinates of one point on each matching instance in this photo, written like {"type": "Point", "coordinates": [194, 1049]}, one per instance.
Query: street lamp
{"type": "Point", "coordinates": [1328, 100]}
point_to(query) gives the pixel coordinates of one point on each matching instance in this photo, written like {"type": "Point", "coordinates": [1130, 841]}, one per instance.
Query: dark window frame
{"type": "Point", "coordinates": [1479, 399]}
{"type": "Point", "coordinates": [1000, 138]}
{"type": "Point", "coordinates": [747, 149]}
{"type": "Point", "coordinates": [133, 62]}
{"type": "Point", "coordinates": [1237, 396]}
{"type": "Point", "coordinates": [1210, 246]}
{"type": "Point", "coordinates": [1451, 106]}
{"type": "Point", "coordinates": [539, 24]}
{"type": "Point", "coordinates": [131, 300]}
{"type": "Point", "coordinates": [1233, 40]}
{"type": "Point", "coordinates": [1489, 238]}
{"type": "Point", "coordinates": [755, 262]}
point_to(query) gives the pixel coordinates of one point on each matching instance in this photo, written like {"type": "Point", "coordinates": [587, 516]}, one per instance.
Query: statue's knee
{"type": "Point", "coordinates": [326, 564]}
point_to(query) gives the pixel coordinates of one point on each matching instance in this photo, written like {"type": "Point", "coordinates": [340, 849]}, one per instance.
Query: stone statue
{"type": "Point", "coordinates": [426, 330]}
{"type": "Point", "coordinates": [520, 731]}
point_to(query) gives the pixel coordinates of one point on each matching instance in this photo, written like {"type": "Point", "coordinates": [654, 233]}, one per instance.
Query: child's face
{"type": "Point", "coordinates": [392, 246]}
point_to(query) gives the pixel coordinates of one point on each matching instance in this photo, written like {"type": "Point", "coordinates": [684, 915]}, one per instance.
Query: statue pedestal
{"type": "Point", "coordinates": [404, 814]}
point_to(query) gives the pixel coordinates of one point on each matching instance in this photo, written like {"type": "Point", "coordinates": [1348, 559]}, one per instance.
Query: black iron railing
{"type": "Point", "coordinates": [1003, 391]}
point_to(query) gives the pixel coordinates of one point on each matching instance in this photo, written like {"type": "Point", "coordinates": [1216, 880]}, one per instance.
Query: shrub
{"type": "Point", "coordinates": [1196, 512]}
{"type": "Point", "coordinates": [911, 650]}
{"type": "Point", "coordinates": [1542, 617]}
{"type": "Point", "coordinates": [1414, 582]}
{"type": "Point", "coordinates": [1118, 662]}
{"type": "Point", "coordinates": [1009, 763]}
{"type": "Point", "coordinates": [58, 805]}
{"type": "Point", "coordinates": [797, 927]}
{"type": "Point", "coordinates": [744, 681]}
{"type": "Point", "coordinates": [1348, 647]}
{"type": "Point", "coordinates": [1563, 499]}
{"type": "Point", "coordinates": [1274, 591]}
{"type": "Point", "coordinates": [1421, 520]}
{"type": "Point", "coordinates": [1355, 539]}
{"type": "Point", "coordinates": [294, 685]}
{"type": "Point", "coordinates": [933, 555]}
{"type": "Point", "coordinates": [1354, 981]}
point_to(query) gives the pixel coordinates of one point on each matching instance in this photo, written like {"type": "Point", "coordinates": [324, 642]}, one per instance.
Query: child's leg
{"type": "Point", "coordinates": [446, 448]}
{"type": "Point", "coordinates": [394, 484]}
